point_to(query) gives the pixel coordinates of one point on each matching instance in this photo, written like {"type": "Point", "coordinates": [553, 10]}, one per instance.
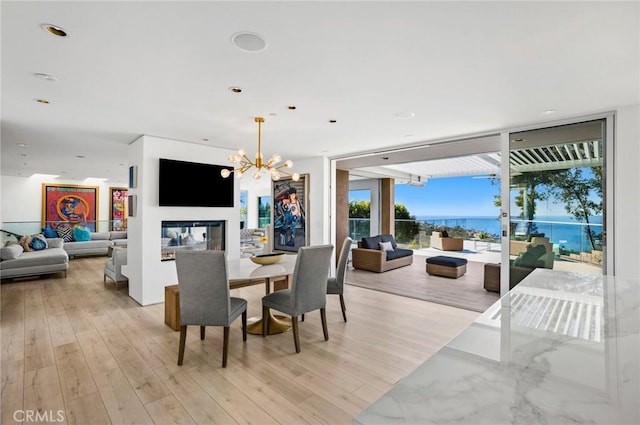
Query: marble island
{"type": "Point", "coordinates": [560, 348]}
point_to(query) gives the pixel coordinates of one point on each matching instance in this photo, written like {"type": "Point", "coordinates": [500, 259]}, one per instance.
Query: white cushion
{"type": "Point", "coordinates": [385, 246]}
{"type": "Point", "coordinates": [11, 252]}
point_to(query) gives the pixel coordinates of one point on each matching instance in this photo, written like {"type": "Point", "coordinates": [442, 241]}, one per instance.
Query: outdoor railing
{"type": "Point", "coordinates": [570, 239]}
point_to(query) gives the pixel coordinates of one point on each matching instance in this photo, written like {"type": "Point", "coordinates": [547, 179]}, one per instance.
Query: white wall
{"type": "Point", "coordinates": [147, 274]}
{"type": "Point", "coordinates": [22, 200]}
{"type": "Point", "coordinates": [627, 195]}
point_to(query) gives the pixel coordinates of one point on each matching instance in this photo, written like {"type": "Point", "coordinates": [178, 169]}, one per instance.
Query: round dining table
{"type": "Point", "coordinates": [243, 272]}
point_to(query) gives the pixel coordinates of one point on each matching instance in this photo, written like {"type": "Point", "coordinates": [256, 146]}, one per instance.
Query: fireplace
{"type": "Point", "coordinates": [191, 235]}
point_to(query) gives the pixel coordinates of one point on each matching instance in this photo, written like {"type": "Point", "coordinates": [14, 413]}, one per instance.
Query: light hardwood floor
{"type": "Point", "coordinates": [76, 346]}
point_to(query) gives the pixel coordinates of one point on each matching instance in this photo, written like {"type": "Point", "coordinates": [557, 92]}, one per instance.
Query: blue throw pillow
{"type": "Point", "coordinates": [48, 232]}
{"type": "Point", "coordinates": [38, 243]}
{"type": "Point", "coordinates": [81, 234]}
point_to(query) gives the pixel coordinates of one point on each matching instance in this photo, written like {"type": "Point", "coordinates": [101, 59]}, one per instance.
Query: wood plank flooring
{"type": "Point", "coordinates": [413, 281]}
{"type": "Point", "coordinates": [76, 350]}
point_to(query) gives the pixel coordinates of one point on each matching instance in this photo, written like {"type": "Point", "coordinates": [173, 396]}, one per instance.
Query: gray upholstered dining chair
{"type": "Point", "coordinates": [205, 296]}
{"type": "Point", "coordinates": [308, 290]}
{"type": "Point", "coordinates": [335, 285]}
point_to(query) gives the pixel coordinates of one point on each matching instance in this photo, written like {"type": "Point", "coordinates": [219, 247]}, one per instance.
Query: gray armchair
{"type": "Point", "coordinates": [205, 296]}
{"type": "Point", "coordinates": [308, 290]}
{"type": "Point", "coordinates": [113, 266]}
{"type": "Point", "coordinates": [335, 285]}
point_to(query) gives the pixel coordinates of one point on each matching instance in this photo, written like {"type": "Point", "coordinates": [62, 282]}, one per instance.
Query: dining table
{"type": "Point", "coordinates": [243, 272]}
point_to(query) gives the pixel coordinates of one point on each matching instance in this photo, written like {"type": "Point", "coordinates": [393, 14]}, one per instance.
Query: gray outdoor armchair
{"type": "Point", "coordinates": [308, 290]}
{"type": "Point", "coordinates": [205, 296]}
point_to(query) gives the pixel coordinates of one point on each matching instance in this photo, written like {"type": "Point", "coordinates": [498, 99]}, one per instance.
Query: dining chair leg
{"type": "Point", "coordinates": [201, 332]}
{"type": "Point", "coordinates": [183, 338]}
{"type": "Point", "coordinates": [296, 336]}
{"type": "Point", "coordinates": [323, 316]}
{"type": "Point", "coordinates": [244, 325]}
{"type": "Point", "coordinates": [302, 319]}
{"type": "Point", "coordinates": [225, 346]}
{"type": "Point", "coordinates": [344, 308]}
{"type": "Point", "coordinates": [265, 321]}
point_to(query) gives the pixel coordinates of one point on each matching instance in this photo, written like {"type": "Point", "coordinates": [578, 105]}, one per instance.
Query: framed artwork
{"type": "Point", "coordinates": [67, 205]}
{"type": "Point", "coordinates": [132, 205]}
{"type": "Point", "coordinates": [244, 196]}
{"type": "Point", "coordinates": [290, 208]}
{"type": "Point", "coordinates": [264, 211]}
{"type": "Point", "coordinates": [118, 208]}
{"type": "Point", "coordinates": [133, 176]}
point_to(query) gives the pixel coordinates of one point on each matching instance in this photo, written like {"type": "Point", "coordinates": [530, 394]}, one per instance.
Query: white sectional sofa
{"type": "Point", "coordinates": [15, 262]}
{"type": "Point", "coordinates": [98, 245]}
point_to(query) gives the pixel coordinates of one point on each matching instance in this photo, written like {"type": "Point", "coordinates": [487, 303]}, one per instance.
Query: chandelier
{"type": "Point", "coordinates": [244, 163]}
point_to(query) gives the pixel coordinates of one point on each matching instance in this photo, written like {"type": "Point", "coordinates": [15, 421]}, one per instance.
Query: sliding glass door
{"type": "Point", "coordinates": [558, 199]}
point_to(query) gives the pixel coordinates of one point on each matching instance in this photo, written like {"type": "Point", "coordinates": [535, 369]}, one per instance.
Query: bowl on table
{"type": "Point", "coordinates": [266, 259]}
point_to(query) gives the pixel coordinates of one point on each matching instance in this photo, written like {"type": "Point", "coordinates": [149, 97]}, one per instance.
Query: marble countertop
{"type": "Point", "coordinates": [560, 348]}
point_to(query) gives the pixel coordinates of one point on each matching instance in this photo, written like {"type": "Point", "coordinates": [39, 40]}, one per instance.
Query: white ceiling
{"type": "Point", "coordinates": [164, 69]}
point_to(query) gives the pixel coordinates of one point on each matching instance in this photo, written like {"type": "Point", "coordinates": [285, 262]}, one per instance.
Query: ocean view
{"type": "Point", "coordinates": [565, 231]}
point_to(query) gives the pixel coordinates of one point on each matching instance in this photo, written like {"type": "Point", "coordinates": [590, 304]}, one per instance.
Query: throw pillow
{"type": "Point", "coordinates": [48, 232]}
{"type": "Point", "coordinates": [38, 242]}
{"type": "Point", "coordinates": [385, 246]}
{"type": "Point", "coordinates": [65, 233]}
{"type": "Point", "coordinates": [389, 238]}
{"type": "Point", "coordinates": [25, 243]}
{"type": "Point", "coordinates": [81, 234]}
{"type": "Point", "coordinates": [11, 252]}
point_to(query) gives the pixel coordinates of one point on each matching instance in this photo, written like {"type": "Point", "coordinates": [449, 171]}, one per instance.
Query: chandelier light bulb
{"type": "Point", "coordinates": [257, 175]}
{"type": "Point", "coordinates": [295, 177]}
{"type": "Point", "coordinates": [239, 174]}
{"type": "Point", "coordinates": [276, 158]}
{"type": "Point", "coordinates": [275, 174]}
{"type": "Point", "coordinates": [241, 152]}
{"type": "Point", "coordinates": [225, 173]}
{"type": "Point", "coordinates": [288, 163]}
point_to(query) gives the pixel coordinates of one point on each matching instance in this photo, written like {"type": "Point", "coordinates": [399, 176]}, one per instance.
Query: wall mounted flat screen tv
{"type": "Point", "coordinates": [192, 184]}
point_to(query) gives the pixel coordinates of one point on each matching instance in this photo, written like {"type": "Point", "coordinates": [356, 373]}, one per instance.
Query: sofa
{"type": "Point", "coordinates": [379, 254]}
{"type": "Point", "coordinates": [516, 247]}
{"type": "Point", "coordinates": [16, 262]}
{"type": "Point", "coordinates": [533, 257]}
{"type": "Point", "coordinates": [98, 244]}
{"type": "Point", "coordinates": [443, 242]}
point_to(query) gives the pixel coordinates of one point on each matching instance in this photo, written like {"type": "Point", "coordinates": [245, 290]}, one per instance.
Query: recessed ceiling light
{"type": "Point", "coordinates": [518, 140]}
{"type": "Point", "coordinates": [249, 42]}
{"type": "Point", "coordinates": [80, 156]}
{"type": "Point", "coordinates": [54, 30]}
{"type": "Point", "coordinates": [550, 111]}
{"type": "Point", "coordinates": [22, 145]}
{"type": "Point", "coordinates": [235, 89]}
{"type": "Point", "coordinates": [333, 121]}
{"type": "Point", "coordinates": [291, 107]}
{"type": "Point", "coordinates": [205, 140]}
{"type": "Point", "coordinates": [45, 77]}
{"type": "Point", "coordinates": [23, 154]}
{"type": "Point", "coordinates": [404, 115]}
{"type": "Point", "coordinates": [385, 158]}
{"type": "Point", "coordinates": [43, 101]}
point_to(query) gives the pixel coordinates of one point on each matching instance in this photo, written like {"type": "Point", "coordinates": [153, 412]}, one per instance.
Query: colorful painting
{"type": "Point", "coordinates": [290, 207]}
{"type": "Point", "coordinates": [118, 208]}
{"type": "Point", "coordinates": [244, 195]}
{"type": "Point", "coordinates": [69, 206]}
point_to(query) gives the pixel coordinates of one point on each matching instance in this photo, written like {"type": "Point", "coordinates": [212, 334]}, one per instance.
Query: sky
{"type": "Point", "coordinates": [454, 197]}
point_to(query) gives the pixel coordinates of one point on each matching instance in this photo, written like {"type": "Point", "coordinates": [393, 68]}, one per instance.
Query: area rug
{"type": "Point", "coordinates": [412, 281]}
